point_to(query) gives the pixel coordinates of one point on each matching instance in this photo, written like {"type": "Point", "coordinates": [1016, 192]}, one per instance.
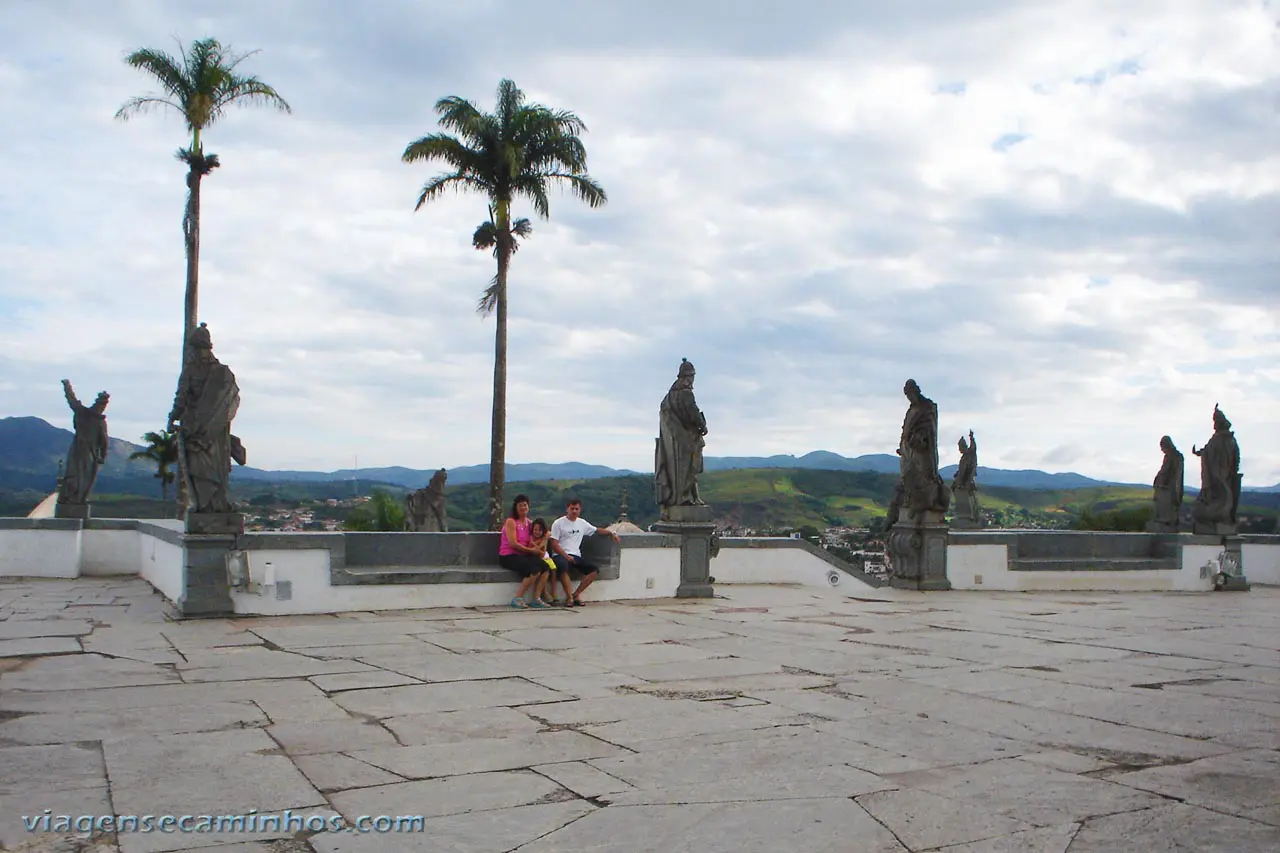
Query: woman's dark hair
{"type": "Point", "coordinates": [539, 522]}
{"type": "Point", "coordinates": [518, 499]}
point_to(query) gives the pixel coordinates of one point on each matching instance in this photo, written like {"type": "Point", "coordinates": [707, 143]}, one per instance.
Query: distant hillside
{"type": "Point", "coordinates": [31, 448]}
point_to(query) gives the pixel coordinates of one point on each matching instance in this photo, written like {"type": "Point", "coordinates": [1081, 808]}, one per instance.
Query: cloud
{"type": "Point", "coordinates": [808, 201]}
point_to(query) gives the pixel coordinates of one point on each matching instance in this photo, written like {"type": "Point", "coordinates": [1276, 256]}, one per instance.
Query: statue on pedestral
{"type": "Point", "coordinates": [923, 490]}
{"type": "Point", "coordinates": [1167, 489]}
{"type": "Point", "coordinates": [1215, 508]}
{"type": "Point", "coordinates": [88, 449]}
{"type": "Point", "coordinates": [206, 403]}
{"type": "Point", "coordinates": [678, 453]}
{"type": "Point", "coordinates": [424, 510]}
{"type": "Point", "coordinates": [964, 485]}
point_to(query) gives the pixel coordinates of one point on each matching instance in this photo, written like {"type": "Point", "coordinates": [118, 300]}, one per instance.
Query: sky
{"type": "Point", "coordinates": [1059, 216]}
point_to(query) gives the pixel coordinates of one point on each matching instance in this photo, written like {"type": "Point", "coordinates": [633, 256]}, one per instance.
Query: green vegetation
{"type": "Point", "coordinates": [383, 512]}
{"type": "Point", "coordinates": [517, 150]}
{"type": "Point", "coordinates": [161, 449]}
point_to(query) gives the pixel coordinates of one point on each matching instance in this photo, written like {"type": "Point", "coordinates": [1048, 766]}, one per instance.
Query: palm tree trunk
{"type": "Point", "coordinates": [191, 241]}
{"type": "Point", "coordinates": [498, 439]}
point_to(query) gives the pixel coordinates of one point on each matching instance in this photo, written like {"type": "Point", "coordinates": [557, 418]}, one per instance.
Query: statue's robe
{"type": "Point", "coordinates": [88, 451]}
{"type": "Point", "coordinates": [678, 454]}
{"type": "Point", "coordinates": [1168, 488]}
{"type": "Point", "coordinates": [1219, 479]}
{"type": "Point", "coordinates": [208, 407]}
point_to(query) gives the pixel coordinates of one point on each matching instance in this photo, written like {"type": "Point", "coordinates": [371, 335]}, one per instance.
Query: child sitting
{"type": "Point", "coordinates": [538, 537]}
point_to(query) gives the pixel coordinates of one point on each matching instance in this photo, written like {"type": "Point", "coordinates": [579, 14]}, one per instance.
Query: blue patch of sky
{"type": "Point", "coordinates": [1127, 67]}
{"type": "Point", "coordinates": [957, 87]}
{"type": "Point", "coordinates": [1007, 141]}
{"type": "Point", "coordinates": [1099, 281]}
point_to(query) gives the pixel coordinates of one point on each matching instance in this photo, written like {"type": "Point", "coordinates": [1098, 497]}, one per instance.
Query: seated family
{"type": "Point", "coordinates": [538, 555]}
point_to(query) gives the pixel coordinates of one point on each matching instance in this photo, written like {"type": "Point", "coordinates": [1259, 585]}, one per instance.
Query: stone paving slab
{"type": "Point", "coordinates": [768, 718]}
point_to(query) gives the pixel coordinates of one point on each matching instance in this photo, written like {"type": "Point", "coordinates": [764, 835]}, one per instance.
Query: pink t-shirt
{"type": "Point", "coordinates": [522, 536]}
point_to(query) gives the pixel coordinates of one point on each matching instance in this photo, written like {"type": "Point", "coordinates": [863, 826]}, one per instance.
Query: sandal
{"type": "Point", "coordinates": [538, 604]}
{"type": "Point", "coordinates": [519, 604]}
{"type": "Point", "coordinates": [578, 602]}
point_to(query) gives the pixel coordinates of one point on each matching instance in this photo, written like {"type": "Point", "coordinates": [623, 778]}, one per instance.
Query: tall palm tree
{"type": "Point", "coordinates": [162, 449]}
{"type": "Point", "coordinates": [200, 84]}
{"type": "Point", "coordinates": [520, 149]}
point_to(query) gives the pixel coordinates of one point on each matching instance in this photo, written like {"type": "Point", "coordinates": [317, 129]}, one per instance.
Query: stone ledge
{"type": "Point", "coordinates": [69, 524]}
{"type": "Point", "coordinates": [803, 545]}
{"type": "Point", "coordinates": [1093, 564]}
{"type": "Point", "coordinates": [362, 575]}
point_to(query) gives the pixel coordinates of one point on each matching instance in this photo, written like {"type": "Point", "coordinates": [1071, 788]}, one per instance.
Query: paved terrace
{"type": "Point", "coordinates": [773, 718]}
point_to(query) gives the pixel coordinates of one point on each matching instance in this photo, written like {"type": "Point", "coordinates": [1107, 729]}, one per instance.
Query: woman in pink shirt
{"type": "Point", "coordinates": [517, 553]}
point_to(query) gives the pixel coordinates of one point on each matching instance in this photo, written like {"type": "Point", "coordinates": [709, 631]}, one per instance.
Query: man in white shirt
{"type": "Point", "coordinates": [566, 549]}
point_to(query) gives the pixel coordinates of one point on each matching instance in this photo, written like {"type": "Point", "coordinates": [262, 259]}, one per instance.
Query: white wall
{"type": "Point", "coordinates": [307, 571]}
{"type": "Point", "coordinates": [35, 553]}
{"type": "Point", "coordinates": [163, 565]}
{"type": "Point", "coordinates": [989, 564]}
{"type": "Point", "coordinates": [782, 565]}
{"type": "Point", "coordinates": [109, 552]}
{"type": "Point", "coordinates": [1261, 563]}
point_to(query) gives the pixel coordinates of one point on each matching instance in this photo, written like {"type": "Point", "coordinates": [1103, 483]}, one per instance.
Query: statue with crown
{"type": "Point", "coordinates": [678, 451]}
{"type": "Point", "coordinates": [205, 405]}
{"type": "Point", "coordinates": [1219, 498]}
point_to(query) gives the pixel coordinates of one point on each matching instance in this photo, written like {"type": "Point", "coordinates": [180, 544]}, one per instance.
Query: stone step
{"type": "Point", "coordinates": [428, 574]}
{"type": "Point", "coordinates": [1094, 564]}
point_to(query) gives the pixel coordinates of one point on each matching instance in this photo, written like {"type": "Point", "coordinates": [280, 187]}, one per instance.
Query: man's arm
{"type": "Point", "coordinates": [604, 530]}
{"type": "Point", "coordinates": [555, 546]}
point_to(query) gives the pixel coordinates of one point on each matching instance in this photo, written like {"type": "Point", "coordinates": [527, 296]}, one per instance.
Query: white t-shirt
{"type": "Point", "coordinates": [569, 534]}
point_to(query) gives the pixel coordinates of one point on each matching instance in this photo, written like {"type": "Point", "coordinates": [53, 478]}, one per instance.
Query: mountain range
{"type": "Point", "coordinates": [31, 448]}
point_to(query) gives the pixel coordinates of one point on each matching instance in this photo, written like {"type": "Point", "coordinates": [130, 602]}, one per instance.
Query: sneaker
{"type": "Point", "coordinates": [518, 603]}
{"type": "Point", "coordinates": [539, 604]}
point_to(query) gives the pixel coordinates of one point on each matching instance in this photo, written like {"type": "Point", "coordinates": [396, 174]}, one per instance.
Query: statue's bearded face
{"type": "Point", "coordinates": [100, 404]}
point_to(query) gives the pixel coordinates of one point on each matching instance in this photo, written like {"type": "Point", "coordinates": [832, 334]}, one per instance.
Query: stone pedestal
{"type": "Point", "coordinates": [205, 587]}
{"type": "Point", "coordinates": [693, 525]}
{"type": "Point", "coordinates": [215, 523]}
{"type": "Point", "coordinates": [1234, 580]}
{"type": "Point", "coordinates": [918, 553]}
{"type": "Point", "coordinates": [80, 511]}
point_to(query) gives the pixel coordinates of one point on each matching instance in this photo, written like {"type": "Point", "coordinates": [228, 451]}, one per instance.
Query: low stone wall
{"type": "Point", "coordinates": [1095, 560]}
{"type": "Point", "coordinates": [761, 559]}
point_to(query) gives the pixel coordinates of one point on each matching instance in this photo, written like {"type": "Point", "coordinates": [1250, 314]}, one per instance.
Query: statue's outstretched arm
{"type": "Point", "coordinates": [70, 394]}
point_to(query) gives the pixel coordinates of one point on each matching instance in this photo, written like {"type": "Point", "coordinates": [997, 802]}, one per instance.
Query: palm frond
{"type": "Point", "coordinates": [443, 147]}
{"type": "Point", "coordinates": [521, 228]}
{"type": "Point", "coordinates": [460, 115]}
{"type": "Point", "coordinates": [485, 236]}
{"type": "Point", "coordinates": [167, 70]}
{"type": "Point", "coordinates": [248, 91]}
{"type": "Point", "coordinates": [135, 106]}
{"type": "Point", "coordinates": [584, 187]}
{"type": "Point", "coordinates": [489, 299]}
{"type": "Point", "coordinates": [436, 187]}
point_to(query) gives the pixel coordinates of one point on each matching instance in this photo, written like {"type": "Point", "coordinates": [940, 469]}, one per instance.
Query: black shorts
{"type": "Point", "coordinates": [580, 564]}
{"type": "Point", "coordinates": [522, 564]}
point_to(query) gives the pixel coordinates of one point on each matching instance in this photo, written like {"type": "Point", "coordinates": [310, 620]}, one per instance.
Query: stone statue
{"type": "Point", "coordinates": [1215, 508]}
{"type": "Point", "coordinates": [88, 449]}
{"type": "Point", "coordinates": [424, 510]}
{"type": "Point", "coordinates": [1167, 489]}
{"type": "Point", "coordinates": [922, 488]}
{"type": "Point", "coordinates": [205, 405]}
{"type": "Point", "coordinates": [964, 485]}
{"type": "Point", "coordinates": [678, 455]}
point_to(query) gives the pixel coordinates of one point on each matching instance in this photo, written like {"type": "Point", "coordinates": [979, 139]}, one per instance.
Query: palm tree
{"type": "Point", "coordinates": [520, 149]}
{"type": "Point", "coordinates": [200, 84]}
{"type": "Point", "coordinates": [162, 449]}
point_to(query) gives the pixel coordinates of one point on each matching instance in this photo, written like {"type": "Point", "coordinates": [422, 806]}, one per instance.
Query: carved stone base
{"type": "Point", "coordinates": [687, 514]}
{"type": "Point", "coordinates": [695, 550]}
{"type": "Point", "coordinates": [80, 511]}
{"type": "Point", "coordinates": [206, 586]}
{"type": "Point", "coordinates": [1210, 528]}
{"type": "Point", "coordinates": [1233, 583]}
{"type": "Point", "coordinates": [215, 523]}
{"type": "Point", "coordinates": [918, 554]}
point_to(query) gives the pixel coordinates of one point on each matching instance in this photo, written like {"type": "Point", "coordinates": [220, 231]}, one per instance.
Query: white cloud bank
{"type": "Point", "coordinates": [1059, 217]}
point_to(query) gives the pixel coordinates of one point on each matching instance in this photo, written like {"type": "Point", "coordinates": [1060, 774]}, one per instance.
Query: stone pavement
{"type": "Point", "coordinates": [772, 718]}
